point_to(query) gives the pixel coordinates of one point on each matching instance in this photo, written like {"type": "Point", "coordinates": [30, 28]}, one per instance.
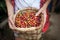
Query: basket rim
{"type": "Point", "coordinates": [27, 29]}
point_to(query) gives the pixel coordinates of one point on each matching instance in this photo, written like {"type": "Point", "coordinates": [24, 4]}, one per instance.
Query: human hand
{"type": "Point", "coordinates": [42, 10]}
{"type": "Point", "coordinates": [12, 26]}
{"type": "Point", "coordinates": [11, 22]}
{"type": "Point", "coordinates": [10, 10]}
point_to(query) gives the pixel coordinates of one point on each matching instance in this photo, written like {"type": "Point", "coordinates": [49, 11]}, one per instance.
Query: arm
{"type": "Point", "coordinates": [46, 4]}
{"type": "Point", "coordinates": [44, 7]}
{"type": "Point", "coordinates": [9, 8]}
{"type": "Point", "coordinates": [10, 13]}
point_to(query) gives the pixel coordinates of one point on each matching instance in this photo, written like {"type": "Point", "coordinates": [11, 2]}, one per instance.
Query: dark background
{"type": "Point", "coordinates": [3, 11]}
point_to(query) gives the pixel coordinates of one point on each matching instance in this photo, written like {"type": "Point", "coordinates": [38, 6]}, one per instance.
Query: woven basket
{"type": "Point", "coordinates": [33, 33]}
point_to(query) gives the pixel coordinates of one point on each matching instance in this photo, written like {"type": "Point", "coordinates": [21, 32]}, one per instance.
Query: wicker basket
{"type": "Point", "coordinates": [33, 33]}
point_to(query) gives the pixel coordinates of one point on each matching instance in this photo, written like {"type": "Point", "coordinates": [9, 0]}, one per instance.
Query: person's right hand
{"type": "Point", "coordinates": [11, 23]}
{"type": "Point", "coordinates": [10, 10]}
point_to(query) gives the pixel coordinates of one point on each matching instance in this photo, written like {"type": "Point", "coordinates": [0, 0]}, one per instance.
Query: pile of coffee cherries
{"type": "Point", "coordinates": [26, 19]}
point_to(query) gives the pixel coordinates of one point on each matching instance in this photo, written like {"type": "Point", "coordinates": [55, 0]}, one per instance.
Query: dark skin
{"type": "Point", "coordinates": [11, 14]}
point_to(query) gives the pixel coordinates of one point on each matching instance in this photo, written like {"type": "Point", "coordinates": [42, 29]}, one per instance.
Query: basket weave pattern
{"type": "Point", "coordinates": [32, 34]}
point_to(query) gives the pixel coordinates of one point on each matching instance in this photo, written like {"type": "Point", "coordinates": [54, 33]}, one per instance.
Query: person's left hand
{"type": "Point", "coordinates": [42, 10]}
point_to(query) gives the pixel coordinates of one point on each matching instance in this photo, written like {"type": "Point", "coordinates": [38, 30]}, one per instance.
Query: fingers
{"type": "Point", "coordinates": [11, 23]}
{"type": "Point", "coordinates": [12, 26]}
{"type": "Point", "coordinates": [38, 13]}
